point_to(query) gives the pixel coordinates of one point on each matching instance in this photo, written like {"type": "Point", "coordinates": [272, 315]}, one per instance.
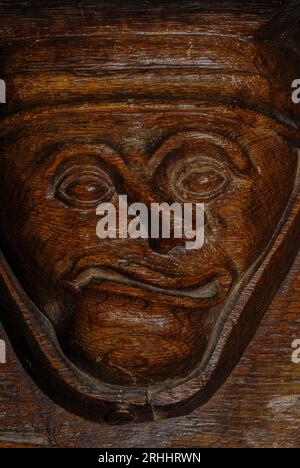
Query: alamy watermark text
{"type": "Point", "coordinates": [162, 220]}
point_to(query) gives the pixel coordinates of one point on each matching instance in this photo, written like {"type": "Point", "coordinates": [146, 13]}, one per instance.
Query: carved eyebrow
{"type": "Point", "coordinates": [70, 149]}
{"type": "Point", "coordinates": [10, 123]}
{"type": "Point", "coordinates": [16, 126]}
{"type": "Point", "coordinates": [235, 152]}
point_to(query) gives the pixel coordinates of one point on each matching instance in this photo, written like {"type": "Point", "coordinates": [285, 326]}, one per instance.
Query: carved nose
{"type": "Point", "coordinates": [165, 246]}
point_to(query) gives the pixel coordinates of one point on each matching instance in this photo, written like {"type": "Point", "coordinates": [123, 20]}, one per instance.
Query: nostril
{"type": "Point", "coordinates": [166, 246]}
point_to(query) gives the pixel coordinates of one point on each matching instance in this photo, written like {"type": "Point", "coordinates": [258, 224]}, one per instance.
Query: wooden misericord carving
{"type": "Point", "coordinates": [185, 102]}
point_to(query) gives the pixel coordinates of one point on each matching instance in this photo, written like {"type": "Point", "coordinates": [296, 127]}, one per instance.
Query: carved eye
{"type": "Point", "coordinates": [85, 188]}
{"type": "Point", "coordinates": [198, 166]}
{"type": "Point", "coordinates": [204, 182]}
{"type": "Point", "coordinates": [200, 180]}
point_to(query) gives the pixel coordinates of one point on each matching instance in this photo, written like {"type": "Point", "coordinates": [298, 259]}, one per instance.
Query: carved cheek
{"type": "Point", "coordinates": [246, 222]}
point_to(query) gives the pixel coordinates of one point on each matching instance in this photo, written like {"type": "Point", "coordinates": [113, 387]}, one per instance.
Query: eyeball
{"type": "Point", "coordinates": [201, 181]}
{"type": "Point", "coordinates": [84, 187]}
{"type": "Point", "coordinates": [198, 166]}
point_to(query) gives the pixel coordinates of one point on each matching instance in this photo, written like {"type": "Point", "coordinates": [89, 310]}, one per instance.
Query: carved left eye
{"type": "Point", "coordinates": [85, 189]}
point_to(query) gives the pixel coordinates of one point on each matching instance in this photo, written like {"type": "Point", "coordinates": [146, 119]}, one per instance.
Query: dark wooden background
{"type": "Point", "coordinates": [259, 405]}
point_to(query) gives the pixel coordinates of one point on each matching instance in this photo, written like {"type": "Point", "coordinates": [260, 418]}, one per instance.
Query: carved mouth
{"type": "Point", "coordinates": [99, 275]}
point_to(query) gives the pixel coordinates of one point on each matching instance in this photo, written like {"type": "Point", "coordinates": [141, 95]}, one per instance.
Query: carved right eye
{"type": "Point", "coordinates": [84, 187]}
{"type": "Point", "coordinates": [199, 166]}
{"type": "Point", "coordinates": [201, 181]}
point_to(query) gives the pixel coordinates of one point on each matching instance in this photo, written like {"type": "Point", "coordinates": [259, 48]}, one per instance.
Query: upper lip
{"type": "Point", "coordinates": [97, 274]}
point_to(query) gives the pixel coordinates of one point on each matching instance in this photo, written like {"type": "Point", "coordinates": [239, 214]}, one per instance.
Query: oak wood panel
{"type": "Point", "coordinates": [160, 86]}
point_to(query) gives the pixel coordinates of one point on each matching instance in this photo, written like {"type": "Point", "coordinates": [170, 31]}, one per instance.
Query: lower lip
{"type": "Point", "coordinates": [103, 279]}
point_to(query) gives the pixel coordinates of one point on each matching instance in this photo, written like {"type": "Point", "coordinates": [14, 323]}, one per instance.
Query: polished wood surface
{"type": "Point", "coordinates": [181, 102]}
{"type": "Point", "coordinates": [258, 406]}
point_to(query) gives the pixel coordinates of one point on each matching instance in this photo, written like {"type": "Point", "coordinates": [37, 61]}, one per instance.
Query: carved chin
{"type": "Point", "coordinates": [126, 331]}
{"type": "Point", "coordinates": [130, 341]}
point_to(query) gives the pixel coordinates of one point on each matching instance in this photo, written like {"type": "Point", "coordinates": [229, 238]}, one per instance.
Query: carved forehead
{"type": "Point", "coordinates": [208, 54]}
{"type": "Point", "coordinates": [144, 136]}
{"type": "Point", "coordinates": [119, 51]}
{"type": "Point", "coordinates": [201, 70]}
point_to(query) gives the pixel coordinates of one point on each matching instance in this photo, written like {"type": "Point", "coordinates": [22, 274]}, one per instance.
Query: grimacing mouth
{"type": "Point", "coordinates": [97, 275]}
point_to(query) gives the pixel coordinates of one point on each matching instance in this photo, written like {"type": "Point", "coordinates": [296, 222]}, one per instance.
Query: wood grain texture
{"type": "Point", "coordinates": [181, 102]}
{"type": "Point", "coordinates": [258, 406]}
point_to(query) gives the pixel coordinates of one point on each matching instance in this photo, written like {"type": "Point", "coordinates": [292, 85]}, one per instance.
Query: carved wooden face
{"type": "Point", "coordinates": [146, 309]}
{"type": "Point", "coordinates": [137, 312]}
